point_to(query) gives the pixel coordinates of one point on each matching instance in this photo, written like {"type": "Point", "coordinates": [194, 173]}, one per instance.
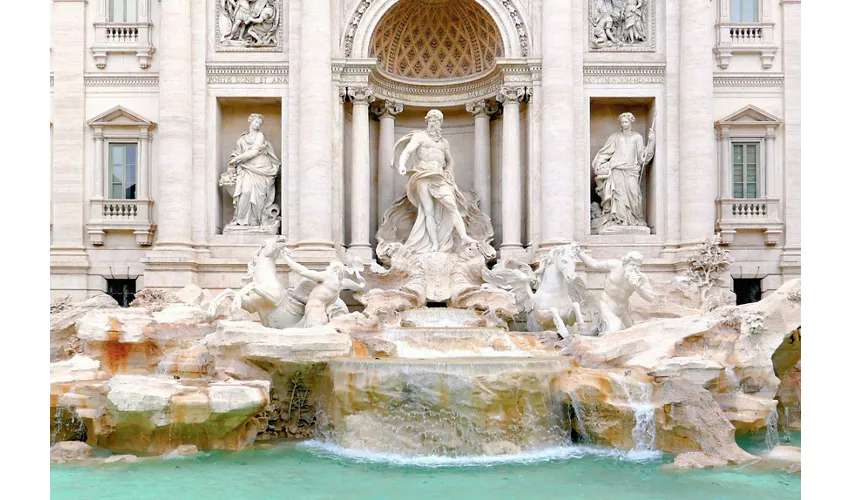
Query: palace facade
{"type": "Point", "coordinates": [149, 99]}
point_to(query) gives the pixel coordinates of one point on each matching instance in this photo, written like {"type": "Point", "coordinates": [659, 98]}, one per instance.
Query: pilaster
{"type": "Point", "coordinates": [69, 261]}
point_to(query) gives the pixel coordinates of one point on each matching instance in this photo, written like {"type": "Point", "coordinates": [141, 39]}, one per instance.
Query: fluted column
{"type": "Point", "coordinates": [386, 112]}
{"type": "Point", "coordinates": [510, 98]}
{"type": "Point", "coordinates": [316, 121]}
{"type": "Point", "coordinates": [725, 166]}
{"type": "Point", "coordinates": [771, 175]}
{"type": "Point", "coordinates": [361, 185]}
{"type": "Point", "coordinates": [97, 192]}
{"type": "Point", "coordinates": [481, 112]}
{"type": "Point", "coordinates": [697, 188]}
{"type": "Point", "coordinates": [557, 171]}
{"type": "Point", "coordinates": [143, 167]}
{"type": "Point", "coordinates": [174, 224]}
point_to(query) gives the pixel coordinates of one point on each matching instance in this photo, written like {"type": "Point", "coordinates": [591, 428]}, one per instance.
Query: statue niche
{"type": "Point", "coordinates": [619, 168]}
{"type": "Point", "coordinates": [434, 242]}
{"type": "Point", "coordinates": [250, 180]}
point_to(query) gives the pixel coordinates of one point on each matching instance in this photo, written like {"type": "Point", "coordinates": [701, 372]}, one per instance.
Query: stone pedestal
{"type": "Point", "coordinates": [625, 230]}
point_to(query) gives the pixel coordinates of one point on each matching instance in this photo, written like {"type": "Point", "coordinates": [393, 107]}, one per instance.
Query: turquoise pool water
{"type": "Point", "coordinates": [311, 471]}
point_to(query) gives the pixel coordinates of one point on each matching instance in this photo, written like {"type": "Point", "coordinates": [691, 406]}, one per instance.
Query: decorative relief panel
{"type": "Point", "coordinates": [622, 25]}
{"type": "Point", "coordinates": [248, 25]}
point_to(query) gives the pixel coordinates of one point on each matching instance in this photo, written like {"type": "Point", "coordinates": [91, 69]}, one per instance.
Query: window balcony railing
{"type": "Point", "coordinates": [132, 38]}
{"type": "Point", "coordinates": [751, 214]}
{"type": "Point", "coordinates": [121, 215]}
{"type": "Point", "coordinates": [743, 38]}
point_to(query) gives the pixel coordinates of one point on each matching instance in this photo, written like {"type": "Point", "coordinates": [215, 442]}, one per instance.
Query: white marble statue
{"type": "Point", "coordinates": [618, 167]}
{"type": "Point", "coordinates": [250, 179]}
{"type": "Point", "coordinates": [431, 188]}
{"type": "Point", "coordinates": [560, 293]}
{"type": "Point", "coordinates": [328, 284]}
{"type": "Point", "coordinates": [624, 278]}
{"type": "Point", "coordinates": [248, 22]}
{"type": "Point", "coordinates": [281, 307]}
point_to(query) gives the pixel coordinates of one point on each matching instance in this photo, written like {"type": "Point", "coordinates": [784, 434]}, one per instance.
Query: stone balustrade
{"type": "Point", "coordinates": [745, 37]}
{"type": "Point", "coordinates": [758, 214]}
{"type": "Point", "coordinates": [133, 38]}
{"type": "Point", "coordinates": [121, 215]}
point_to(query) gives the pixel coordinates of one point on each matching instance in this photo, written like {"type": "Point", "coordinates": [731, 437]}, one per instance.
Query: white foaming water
{"type": "Point", "coordinates": [426, 343]}
{"type": "Point", "coordinates": [734, 381]}
{"type": "Point", "coordinates": [771, 436]}
{"type": "Point", "coordinates": [405, 350]}
{"type": "Point", "coordinates": [639, 397]}
{"type": "Point", "coordinates": [786, 428]}
{"type": "Point", "coordinates": [538, 455]}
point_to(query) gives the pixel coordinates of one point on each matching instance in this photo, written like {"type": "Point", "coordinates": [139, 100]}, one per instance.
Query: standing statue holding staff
{"type": "Point", "coordinates": [618, 167]}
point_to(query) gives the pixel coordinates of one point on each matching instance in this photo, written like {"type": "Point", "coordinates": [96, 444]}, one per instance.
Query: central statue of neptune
{"type": "Point", "coordinates": [431, 188]}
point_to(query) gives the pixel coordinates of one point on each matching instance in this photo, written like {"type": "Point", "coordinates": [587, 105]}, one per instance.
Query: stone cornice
{"type": "Point", "coordinates": [749, 81]}
{"type": "Point", "coordinates": [614, 73]}
{"type": "Point", "coordinates": [252, 73]}
{"type": "Point", "coordinates": [121, 80]}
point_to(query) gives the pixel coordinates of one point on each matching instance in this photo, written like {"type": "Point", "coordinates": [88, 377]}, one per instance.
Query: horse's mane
{"type": "Point", "coordinates": [549, 258]}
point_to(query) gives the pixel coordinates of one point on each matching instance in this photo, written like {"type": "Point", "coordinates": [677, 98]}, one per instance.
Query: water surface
{"type": "Point", "coordinates": [312, 471]}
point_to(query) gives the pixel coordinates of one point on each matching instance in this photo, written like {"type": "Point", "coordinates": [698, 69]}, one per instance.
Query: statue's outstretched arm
{"type": "Point", "coordinates": [405, 154]}
{"type": "Point", "coordinates": [348, 284]}
{"type": "Point", "coordinates": [645, 290]}
{"type": "Point", "coordinates": [596, 265]}
{"type": "Point", "coordinates": [301, 270]}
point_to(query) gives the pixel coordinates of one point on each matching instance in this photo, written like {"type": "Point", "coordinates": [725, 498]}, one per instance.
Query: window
{"type": "Point", "coordinates": [745, 169]}
{"type": "Point", "coordinates": [122, 171]}
{"type": "Point", "coordinates": [122, 290]}
{"type": "Point", "coordinates": [122, 11]}
{"type": "Point", "coordinates": [745, 11]}
{"type": "Point", "coordinates": [747, 290]}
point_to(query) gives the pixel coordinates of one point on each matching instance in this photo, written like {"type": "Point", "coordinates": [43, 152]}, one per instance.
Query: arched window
{"type": "Point", "coordinates": [122, 11]}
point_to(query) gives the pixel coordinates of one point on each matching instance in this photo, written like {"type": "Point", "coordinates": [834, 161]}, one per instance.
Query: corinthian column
{"type": "Point", "coordinates": [481, 112]}
{"type": "Point", "coordinates": [361, 184]}
{"type": "Point", "coordinates": [316, 122]}
{"type": "Point", "coordinates": [511, 247]}
{"type": "Point", "coordinates": [697, 187]}
{"type": "Point", "coordinates": [386, 111]}
{"type": "Point", "coordinates": [557, 171]}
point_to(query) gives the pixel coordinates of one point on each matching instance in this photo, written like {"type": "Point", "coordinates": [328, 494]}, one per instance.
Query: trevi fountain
{"type": "Point", "coordinates": [451, 342]}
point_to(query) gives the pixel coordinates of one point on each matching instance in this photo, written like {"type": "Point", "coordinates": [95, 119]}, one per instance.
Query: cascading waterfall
{"type": "Point", "coordinates": [639, 395]}
{"type": "Point", "coordinates": [457, 407]}
{"type": "Point", "coordinates": [786, 427]}
{"type": "Point", "coordinates": [733, 379]}
{"type": "Point", "coordinates": [771, 436]}
{"type": "Point", "coordinates": [432, 342]}
{"type": "Point", "coordinates": [580, 417]}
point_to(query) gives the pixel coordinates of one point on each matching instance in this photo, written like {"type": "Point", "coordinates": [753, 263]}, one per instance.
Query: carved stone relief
{"type": "Point", "coordinates": [621, 25]}
{"type": "Point", "coordinates": [243, 25]}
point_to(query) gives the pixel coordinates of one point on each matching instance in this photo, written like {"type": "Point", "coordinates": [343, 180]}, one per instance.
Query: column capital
{"type": "Point", "coordinates": [361, 95]}
{"type": "Point", "coordinates": [513, 93]}
{"type": "Point", "coordinates": [482, 107]}
{"type": "Point", "coordinates": [386, 107]}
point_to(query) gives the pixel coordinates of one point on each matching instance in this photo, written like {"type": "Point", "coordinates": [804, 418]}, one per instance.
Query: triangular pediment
{"type": "Point", "coordinates": [120, 116]}
{"type": "Point", "coordinates": [750, 115]}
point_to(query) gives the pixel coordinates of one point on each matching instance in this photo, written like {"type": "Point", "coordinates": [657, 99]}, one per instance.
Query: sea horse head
{"type": "Point", "coordinates": [561, 259]}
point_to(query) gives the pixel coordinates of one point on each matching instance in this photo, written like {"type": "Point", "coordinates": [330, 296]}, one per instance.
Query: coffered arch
{"type": "Point", "coordinates": [364, 16]}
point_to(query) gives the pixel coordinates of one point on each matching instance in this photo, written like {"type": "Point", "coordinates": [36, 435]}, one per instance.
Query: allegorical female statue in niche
{"type": "Point", "coordinates": [618, 167]}
{"type": "Point", "coordinates": [251, 173]}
